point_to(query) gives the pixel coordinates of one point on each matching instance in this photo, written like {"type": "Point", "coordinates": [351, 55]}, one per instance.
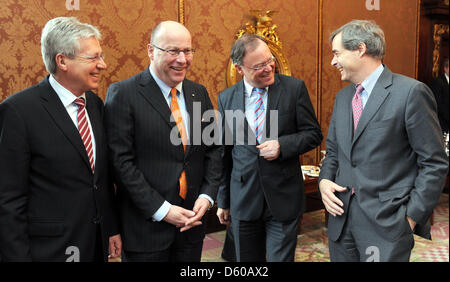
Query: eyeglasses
{"type": "Point", "coordinates": [262, 65]}
{"type": "Point", "coordinates": [176, 52]}
{"type": "Point", "coordinates": [93, 59]}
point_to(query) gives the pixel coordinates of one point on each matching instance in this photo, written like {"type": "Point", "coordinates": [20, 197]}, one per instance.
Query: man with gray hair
{"type": "Point", "coordinates": [56, 197]}
{"type": "Point", "coordinates": [385, 164]}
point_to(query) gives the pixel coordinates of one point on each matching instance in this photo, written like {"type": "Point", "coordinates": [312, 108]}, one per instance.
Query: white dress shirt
{"type": "Point", "coordinates": [68, 100]}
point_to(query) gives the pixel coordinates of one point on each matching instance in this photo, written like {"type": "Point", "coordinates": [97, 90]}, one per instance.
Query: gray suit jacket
{"type": "Point", "coordinates": [249, 179]}
{"type": "Point", "coordinates": [395, 161]}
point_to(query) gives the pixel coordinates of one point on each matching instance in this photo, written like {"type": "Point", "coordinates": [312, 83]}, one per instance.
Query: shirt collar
{"type": "Point", "coordinates": [66, 97]}
{"type": "Point", "coordinates": [248, 88]}
{"type": "Point", "coordinates": [371, 80]}
{"type": "Point", "coordinates": [165, 89]}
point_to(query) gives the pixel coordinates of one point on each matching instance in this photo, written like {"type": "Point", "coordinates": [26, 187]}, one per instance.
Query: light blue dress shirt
{"type": "Point", "coordinates": [249, 103]}
{"type": "Point", "coordinates": [165, 89]}
{"type": "Point", "coordinates": [369, 84]}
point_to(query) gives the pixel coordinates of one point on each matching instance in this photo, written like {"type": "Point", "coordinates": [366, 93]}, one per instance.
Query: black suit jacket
{"type": "Point", "coordinates": [249, 179]}
{"type": "Point", "coordinates": [50, 201]}
{"type": "Point", "coordinates": [440, 90]}
{"type": "Point", "coordinates": [147, 165]}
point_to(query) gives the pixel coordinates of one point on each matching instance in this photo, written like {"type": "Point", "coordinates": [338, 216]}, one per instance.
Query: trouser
{"type": "Point", "coordinates": [265, 238]}
{"type": "Point", "coordinates": [181, 250]}
{"type": "Point", "coordinates": [360, 242]}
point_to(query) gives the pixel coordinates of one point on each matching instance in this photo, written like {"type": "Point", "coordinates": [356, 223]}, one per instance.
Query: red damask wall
{"type": "Point", "coordinates": [303, 28]}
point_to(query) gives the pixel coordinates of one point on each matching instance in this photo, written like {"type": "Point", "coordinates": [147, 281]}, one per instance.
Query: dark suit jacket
{"type": "Point", "coordinates": [147, 165]}
{"type": "Point", "coordinates": [395, 161]}
{"type": "Point", "coordinates": [440, 90]}
{"type": "Point", "coordinates": [49, 198]}
{"type": "Point", "coordinates": [249, 179]}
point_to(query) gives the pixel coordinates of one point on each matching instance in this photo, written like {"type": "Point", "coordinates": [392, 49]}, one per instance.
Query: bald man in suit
{"type": "Point", "coordinates": [160, 222]}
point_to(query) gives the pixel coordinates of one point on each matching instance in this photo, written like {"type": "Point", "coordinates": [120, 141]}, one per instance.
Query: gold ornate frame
{"type": "Point", "coordinates": [261, 24]}
{"type": "Point", "coordinates": [181, 11]}
{"type": "Point", "coordinates": [439, 31]}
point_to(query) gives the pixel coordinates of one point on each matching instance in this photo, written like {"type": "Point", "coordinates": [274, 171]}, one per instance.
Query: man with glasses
{"type": "Point", "coordinates": [166, 181]}
{"type": "Point", "coordinates": [56, 197]}
{"type": "Point", "coordinates": [262, 193]}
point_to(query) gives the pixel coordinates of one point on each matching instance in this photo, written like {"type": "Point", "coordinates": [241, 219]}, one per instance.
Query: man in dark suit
{"type": "Point", "coordinates": [262, 193]}
{"type": "Point", "coordinates": [385, 164]}
{"type": "Point", "coordinates": [440, 90]}
{"type": "Point", "coordinates": [167, 177]}
{"type": "Point", "coordinates": [56, 198]}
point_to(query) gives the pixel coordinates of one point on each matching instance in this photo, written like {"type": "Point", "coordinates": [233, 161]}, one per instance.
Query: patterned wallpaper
{"type": "Point", "coordinates": [126, 27]}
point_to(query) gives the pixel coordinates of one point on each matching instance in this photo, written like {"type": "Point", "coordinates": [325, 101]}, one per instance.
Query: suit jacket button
{"type": "Point", "coordinates": [97, 219]}
{"type": "Point", "coordinates": [353, 164]}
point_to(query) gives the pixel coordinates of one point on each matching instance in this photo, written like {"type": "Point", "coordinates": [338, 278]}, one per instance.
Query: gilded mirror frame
{"type": "Point", "coordinates": [261, 24]}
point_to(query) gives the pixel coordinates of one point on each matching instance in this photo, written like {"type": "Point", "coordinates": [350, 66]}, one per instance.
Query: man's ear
{"type": "Point", "coordinates": [362, 49]}
{"type": "Point", "coordinates": [61, 62]}
{"type": "Point", "coordinates": [239, 69]}
{"type": "Point", "coordinates": [150, 51]}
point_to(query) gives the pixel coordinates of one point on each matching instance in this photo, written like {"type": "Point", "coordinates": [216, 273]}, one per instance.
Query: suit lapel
{"type": "Point", "coordinates": [189, 98]}
{"type": "Point", "coordinates": [152, 93]}
{"type": "Point", "coordinates": [273, 98]}
{"type": "Point", "coordinates": [96, 123]}
{"type": "Point", "coordinates": [376, 99]}
{"type": "Point", "coordinates": [238, 106]}
{"type": "Point", "coordinates": [56, 110]}
{"type": "Point", "coordinates": [347, 120]}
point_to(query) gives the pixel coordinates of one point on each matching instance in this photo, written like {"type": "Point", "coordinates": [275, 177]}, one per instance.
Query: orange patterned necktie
{"type": "Point", "coordinates": [179, 120]}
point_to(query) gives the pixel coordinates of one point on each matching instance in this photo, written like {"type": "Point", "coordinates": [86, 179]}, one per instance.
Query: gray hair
{"type": "Point", "coordinates": [362, 31]}
{"type": "Point", "coordinates": [246, 42]}
{"type": "Point", "coordinates": [62, 35]}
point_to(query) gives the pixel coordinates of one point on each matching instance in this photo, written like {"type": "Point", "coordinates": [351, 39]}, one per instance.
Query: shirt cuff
{"type": "Point", "coordinates": [162, 211]}
{"type": "Point", "coordinates": [208, 198]}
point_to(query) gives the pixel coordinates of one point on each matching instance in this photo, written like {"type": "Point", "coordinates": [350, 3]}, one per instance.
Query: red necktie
{"type": "Point", "coordinates": [357, 106]}
{"type": "Point", "coordinates": [83, 128]}
{"type": "Point", "coordinates": [179, 121]}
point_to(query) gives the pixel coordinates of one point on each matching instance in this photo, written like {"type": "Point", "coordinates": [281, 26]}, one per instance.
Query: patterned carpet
{"type": "Point", "coordinates": [312, 243]}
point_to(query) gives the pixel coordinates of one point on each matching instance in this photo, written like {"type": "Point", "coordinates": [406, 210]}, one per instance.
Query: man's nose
{"type": "Point", "coordinates": [333, 61]}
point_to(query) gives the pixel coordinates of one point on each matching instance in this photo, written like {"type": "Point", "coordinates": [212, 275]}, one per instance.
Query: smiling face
{"type": "Point", "coordinates": [259, 56]}
{"type": "Point", "coordinates": [171, 69]}
{"type": "Point", "coordinates": [346, 61]}
{"type": "Point", "coordinates": [82, 74]}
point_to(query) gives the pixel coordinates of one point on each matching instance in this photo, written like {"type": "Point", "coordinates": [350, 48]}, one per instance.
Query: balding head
{"type": "Point", "coordinates": [167, 27]}
{"type": "Point", "coordinates": [170, 51]}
